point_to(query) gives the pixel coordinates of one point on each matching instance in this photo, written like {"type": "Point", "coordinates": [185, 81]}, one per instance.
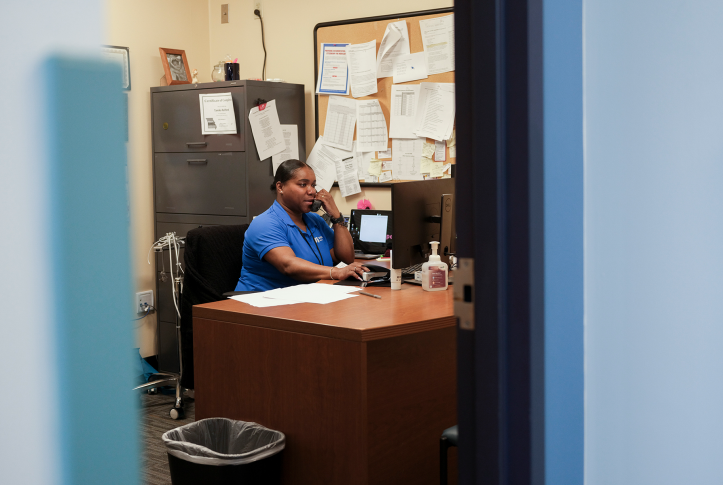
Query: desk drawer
{"type": "Point", "coordinates": [177, 122]}
{"type": "Point", "coordinates": [208, 183]}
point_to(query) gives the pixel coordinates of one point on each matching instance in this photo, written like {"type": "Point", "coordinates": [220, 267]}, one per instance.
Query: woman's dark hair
{"type": "Point", "coordinates": [286, 171]}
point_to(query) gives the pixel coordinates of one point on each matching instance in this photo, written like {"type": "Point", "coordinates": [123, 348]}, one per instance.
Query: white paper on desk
{"type": "Point", "coordinates": [347, 174]}
{"type": "Point", "coordinates": [371, 131]}
{"type": "Point", "coordinates": [407, 159]}
{"type": "Point", "coordinates": [334, 72]}
{"type": "Point", "coordinates": [440, 151]}
{"type": "Point", "coordinates": [217, 115]}
{"type": "Point", "coordinates": [438, 43]}
{"type": "Point", "coordinates": [410, 67]}
{"type": "Point", "coordinates": [403, 111]}
{"type": "Point", "coordinates": [321, 160]}
{"type": "Point", "coordinates": [291, 152]}
{"type": "Point", "coordinates": [435, 111]}
{"type": "Point", "coordinates": [340, 121]}
{"type": "Point", "coordinates": [362, 68]}
{"type": "Point", "coordinates": [265, 126]}
{"type": "Point", "coordinates": [258, 300]}
{"type": "Point", "coordinates": [312, 293]}
{"type": "Point", "coordinates": [395, 43]}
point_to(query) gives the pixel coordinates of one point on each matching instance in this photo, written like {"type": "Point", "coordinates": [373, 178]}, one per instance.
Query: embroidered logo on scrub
{"type": "Point", "coordinates": [319, 239]}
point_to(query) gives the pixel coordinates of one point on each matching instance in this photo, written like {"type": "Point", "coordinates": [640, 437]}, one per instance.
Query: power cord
{"type": "Point", "coordinates": [263, 43]}
{"type": "Point", "coordinates": [149, 309]}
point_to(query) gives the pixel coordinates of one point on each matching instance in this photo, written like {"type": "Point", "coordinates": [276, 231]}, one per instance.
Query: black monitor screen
{"type": "Point", "coordinates": [371, 230]}
{"type": "Point", "coordinates": [421, 216]}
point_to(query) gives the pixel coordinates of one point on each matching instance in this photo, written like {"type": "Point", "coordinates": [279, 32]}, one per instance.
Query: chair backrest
{"type": "Point", "coordinates": [213, 259]}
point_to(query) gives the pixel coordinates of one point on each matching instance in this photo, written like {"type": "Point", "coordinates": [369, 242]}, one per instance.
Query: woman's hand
{"type": "Point", "coordinates": [353, 269]}
{"type": "Point", "coordinates": [327, 201]}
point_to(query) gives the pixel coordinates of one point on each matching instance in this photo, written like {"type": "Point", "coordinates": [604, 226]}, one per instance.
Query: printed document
{"type": "Point", "coordinates": [347, 175]}
{"type": "Point", "coordinates": [333, 70]}
{"type": "Point", "coordinates": [362, 160]}
{"type": "Point", "coordinates": [371, 132]}
{"type": "Point", "coordinates": [411, 67]}
{"type": "Point", "coordinates": [265, 126]}
{"type": "Point", "coordinates": [395, 43]}
{"type": "Point", "coordinates": [291, 152]}
{"type": "Point", "coordinates": [340, 121]}
{"type": "Point", "coordinates": [438, 43]}
{"type": "Point", "coordinates": [362, 60]}
{"type": "Point", "coordinates": [406, 159]}
{"type": "Point", "coordinates": [440, 151]}
{"type": "Point", "coordinates": [435, 114]}
{"type": "Point", "coordinates": [318, 293]}
{"type": "Point", "coordinates": [217, 115]}
{"type": "Point", "coordinates": [321, 160]}
{"type": "Point", "coordinates": [403, 116]}
{"type": "Point", "coordinates": [386, 153]}
{"type": "Point", "coordinates": [385, 177]}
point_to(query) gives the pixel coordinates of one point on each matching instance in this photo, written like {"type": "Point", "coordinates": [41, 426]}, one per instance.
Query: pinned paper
{"type": "Point", "coordinates": [446, 167]}
{"type": "Point", "coordinates": [428, 150]}
{"type": "Point", "coordinates": [385, 154]}
{"type": "Point", "coordinates": [439, 151]}
{"type": "Point", "coordinates": [453, 152]}
{"type": "Point", "coordinates": [453, 139]}
{"type": "Point", "coordinates": [387, 165]}
{"type": "Point", "coordinates": [375, 167]}
{"type": "Point", "coordinates": [427, 165]}
{"type": "Point", "coordinates": [436, 169]}
{"type": "Point", "coordinates": [385, 177]}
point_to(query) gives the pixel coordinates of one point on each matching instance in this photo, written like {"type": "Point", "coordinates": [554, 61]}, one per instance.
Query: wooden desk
{"type": "Point", "coordinates": [362, 388]}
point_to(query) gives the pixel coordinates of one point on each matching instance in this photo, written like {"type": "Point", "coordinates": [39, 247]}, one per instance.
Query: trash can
{"type": "Point", "coordinates": [223, 451]}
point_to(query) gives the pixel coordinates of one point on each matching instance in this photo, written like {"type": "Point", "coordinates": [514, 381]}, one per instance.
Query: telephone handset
{"type": "Point", "coordinates": [316, 205]}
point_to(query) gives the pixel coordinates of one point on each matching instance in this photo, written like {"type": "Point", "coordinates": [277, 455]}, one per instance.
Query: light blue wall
{"type": "Point", "coordinates": [563, 181]}
{"type": "Point", "coordinates": [653, 242]}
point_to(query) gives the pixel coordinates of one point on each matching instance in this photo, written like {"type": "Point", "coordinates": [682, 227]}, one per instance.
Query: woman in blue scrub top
{"type": "Point", "coordinates": [288, 244]}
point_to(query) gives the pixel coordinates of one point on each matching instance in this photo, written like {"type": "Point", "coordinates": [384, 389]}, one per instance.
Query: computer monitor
{"type": "Point", "coordinates": [425, 212]}
{"type": "Point", "coordinates": [371, 230]}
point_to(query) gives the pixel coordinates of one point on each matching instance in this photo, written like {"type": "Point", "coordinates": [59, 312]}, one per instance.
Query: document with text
{"type": "Point", "coordinates": [395, 43]}
{"type": "Point", "coordinates": [407, 159]}
{"type": "Point", "coordinates": [340, 122]}
{"type": "Point", "coordinates": [333, 70]}
{"type": "Point", "coordinates": [371, 131]}
{"type": "Point", "coordinates": [291, 140]}
{"type": "Point", "coordinates": [362, 60]}
{"type": "Point", "coordinates": [265, 126]}
{"type": "Point", "coordinates": [217, 114]}
{"type": "Point", "coordinates": [438, 43]}
{"type": "Point", "coordinates": [403, 116]}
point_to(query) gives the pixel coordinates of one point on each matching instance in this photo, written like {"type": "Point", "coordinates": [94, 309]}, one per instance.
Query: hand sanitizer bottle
{"type": "Point", "coordinates": [434, 271]}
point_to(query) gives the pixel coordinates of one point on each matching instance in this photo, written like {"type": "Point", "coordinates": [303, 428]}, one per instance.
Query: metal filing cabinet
{"type": "Point", "coordinates": [209, 180]}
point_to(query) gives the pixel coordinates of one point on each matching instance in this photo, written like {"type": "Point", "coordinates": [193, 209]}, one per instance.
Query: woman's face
{"type": "Point", "coordinates": [298, 193]}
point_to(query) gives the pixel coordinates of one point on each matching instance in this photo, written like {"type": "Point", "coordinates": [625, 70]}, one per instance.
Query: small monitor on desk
{"type": "Point", "coordinates": [371, 230]}
{"type": "Point", "coordinates": [425, 212]}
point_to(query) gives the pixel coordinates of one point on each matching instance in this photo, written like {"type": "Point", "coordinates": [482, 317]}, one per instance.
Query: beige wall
{"type": "Point", "coordinates": [289, 32]}
{"type": "Point", "coordinates": [195, 26]}
{"type": "Point", "coordinates": [144, 26]}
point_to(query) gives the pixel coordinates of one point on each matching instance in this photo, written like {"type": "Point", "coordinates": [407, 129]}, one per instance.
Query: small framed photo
{"type": "Point", "coordinates": [175, 66]}
{"type": "Point", "coordinates": [121, 56]}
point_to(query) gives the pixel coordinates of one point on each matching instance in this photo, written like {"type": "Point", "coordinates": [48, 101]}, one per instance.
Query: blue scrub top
{"type": "Point", "coordinates": [272, 229]}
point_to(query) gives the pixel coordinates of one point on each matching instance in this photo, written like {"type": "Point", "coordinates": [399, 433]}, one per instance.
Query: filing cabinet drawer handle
{"type": "Point", "coordinates": [200, 161]}
{"type": "Point", "coordinates": [196, 144]}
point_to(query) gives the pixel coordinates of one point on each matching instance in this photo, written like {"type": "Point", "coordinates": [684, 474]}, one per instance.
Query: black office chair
{"type": "Point", "coordinates": [449, 438]}
{"type": "Point", "coordinates": [213, 261]}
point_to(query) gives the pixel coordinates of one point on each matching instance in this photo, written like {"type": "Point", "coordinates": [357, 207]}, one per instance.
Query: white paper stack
{"type": "Point", "coordinates": [311, 293]}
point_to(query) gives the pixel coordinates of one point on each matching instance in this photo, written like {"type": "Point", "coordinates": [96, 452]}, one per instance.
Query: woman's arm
{"type": "Point", "coordinates": [343, 242]}
{"type": "Point", "coordinates": [283, 259]}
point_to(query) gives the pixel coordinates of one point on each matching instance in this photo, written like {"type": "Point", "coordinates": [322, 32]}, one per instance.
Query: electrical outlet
{"type": "Point", "coordinates": [143, 298]}
{"type": "Point", "coordinates": [258, 5]}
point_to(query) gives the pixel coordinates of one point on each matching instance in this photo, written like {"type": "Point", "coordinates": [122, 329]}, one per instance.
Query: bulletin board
{"type": "Point", "coordinates": [359, 31]}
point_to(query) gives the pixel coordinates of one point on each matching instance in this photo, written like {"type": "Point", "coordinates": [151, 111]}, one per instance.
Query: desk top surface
{"type": "Point", "coordinates": [362, 318]}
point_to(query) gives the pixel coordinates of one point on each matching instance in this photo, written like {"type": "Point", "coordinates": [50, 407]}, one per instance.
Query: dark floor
{"type": "Point", "coordinates": [154, 422]}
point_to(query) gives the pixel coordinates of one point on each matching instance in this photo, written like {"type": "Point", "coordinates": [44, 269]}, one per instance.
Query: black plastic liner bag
{"type": "Point", "coordinates": [223, 442]}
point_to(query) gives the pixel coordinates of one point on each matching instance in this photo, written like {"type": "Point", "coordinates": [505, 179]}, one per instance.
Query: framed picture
{"type": "Point", "coordinates": [120, 56]}
{"type": "Point", "coordinates": [175, 66]}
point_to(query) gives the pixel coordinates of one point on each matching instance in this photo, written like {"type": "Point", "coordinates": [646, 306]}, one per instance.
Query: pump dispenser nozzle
{"type": "Point", "coordinates": [434, 256]}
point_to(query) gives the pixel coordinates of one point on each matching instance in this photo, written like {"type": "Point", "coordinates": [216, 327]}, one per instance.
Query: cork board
{"type": "Point", "coordinates": [363, 30]}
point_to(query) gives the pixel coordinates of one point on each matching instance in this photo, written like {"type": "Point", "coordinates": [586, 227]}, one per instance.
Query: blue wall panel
{"type": "Point", "coordinates": [563, 180]}
{"type": "Point", "coordinates": [91, 273]}
{"type": "Point", "coordinates": [653, 237]}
